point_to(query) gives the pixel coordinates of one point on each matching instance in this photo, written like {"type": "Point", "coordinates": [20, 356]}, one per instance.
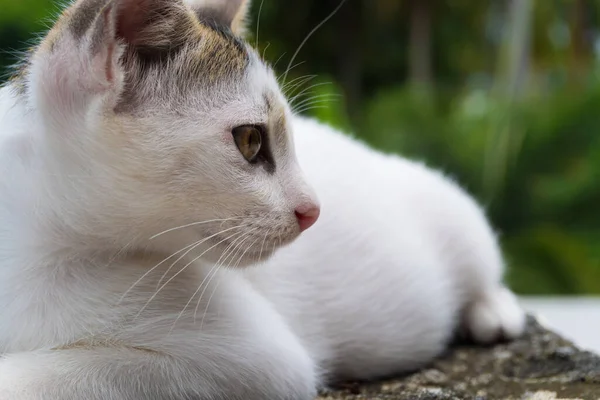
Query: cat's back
{"type": "Point", "coordinates": [365, 173]}
{"type": "Point", "coordinates": [392, 199]}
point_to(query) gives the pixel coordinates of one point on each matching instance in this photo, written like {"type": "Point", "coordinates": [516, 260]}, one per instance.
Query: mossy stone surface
{"type": "Point", "coordinates": [539, 366]}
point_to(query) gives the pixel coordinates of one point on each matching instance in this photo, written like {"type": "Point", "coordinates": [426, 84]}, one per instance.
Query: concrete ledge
{"type": "Point", "coordinates": [574, 317]}
{"type": "Point", "coordinates": [540, 366]}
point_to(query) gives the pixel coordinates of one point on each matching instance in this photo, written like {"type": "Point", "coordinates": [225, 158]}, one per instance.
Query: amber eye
{"type": "Point", "coordinates": [248, 139]}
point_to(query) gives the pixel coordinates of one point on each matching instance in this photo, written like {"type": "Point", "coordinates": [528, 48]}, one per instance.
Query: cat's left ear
{"type": "Point", "coordinates": [230, 13]}
{"type": "Point", "coordinates": [81, 59]}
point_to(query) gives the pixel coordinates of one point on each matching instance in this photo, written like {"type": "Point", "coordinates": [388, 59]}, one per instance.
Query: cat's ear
{"type": "Point", "coordinates": [230, 13]}
{"type": "Point", "coordinates": [81, 56]}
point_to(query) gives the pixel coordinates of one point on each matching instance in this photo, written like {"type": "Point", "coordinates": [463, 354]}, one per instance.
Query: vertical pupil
{"type": "Point", "coordinates": [253, 139]}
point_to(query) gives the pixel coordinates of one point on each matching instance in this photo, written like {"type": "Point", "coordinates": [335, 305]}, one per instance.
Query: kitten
{"type": "Point", "coordinates": [147, 155]}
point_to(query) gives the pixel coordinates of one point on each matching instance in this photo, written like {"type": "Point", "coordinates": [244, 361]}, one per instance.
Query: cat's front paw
{"type": "Point", "coordinates": [495, 316]}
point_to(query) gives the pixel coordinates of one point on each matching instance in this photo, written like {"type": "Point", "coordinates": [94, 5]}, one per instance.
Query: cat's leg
{"type": "Point", "coordinates": [494, 315]}
{"type": "Point", "coordinates": [126, 373]}
{"type": "Point", "coordinates": [239, 347]}
{"type": "Point", "coordinates": [491, 311]}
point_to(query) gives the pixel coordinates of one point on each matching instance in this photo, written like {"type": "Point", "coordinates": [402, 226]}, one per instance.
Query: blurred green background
{"type": "Point", "coordinates": [504, 95]}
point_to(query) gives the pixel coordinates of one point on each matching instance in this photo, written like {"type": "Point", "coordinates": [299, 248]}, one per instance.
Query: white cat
{"type": "Point", "coordinates": [146, 155]}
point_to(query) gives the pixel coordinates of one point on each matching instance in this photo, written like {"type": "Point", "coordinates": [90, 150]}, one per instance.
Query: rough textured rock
{"type": "Point", "coordinates": [539, 366]}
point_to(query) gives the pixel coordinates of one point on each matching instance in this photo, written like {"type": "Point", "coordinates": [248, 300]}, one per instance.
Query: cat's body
{"type": "Point", "coordinates": [410, 247]}
{"type": "Point", "coordinates": [91, 310]}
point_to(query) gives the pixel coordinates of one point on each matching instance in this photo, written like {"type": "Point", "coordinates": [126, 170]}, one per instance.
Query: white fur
{"type": "Point", "coordinates": [92, 311]}
{"type": "Point", "coordinates": [406, 251]}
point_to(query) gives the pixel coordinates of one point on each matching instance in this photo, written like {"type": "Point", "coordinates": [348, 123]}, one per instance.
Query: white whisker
{"type": "Point", "coordinates": [208, 303]}
{"type": "Point", "coordinates": [293, 99]}
{"type": "Point", "coordinates": [263, 244]}
{"type": "Point", "coordinates": [238, 246]}
{"type": "Point", "coordinates": [217, 284]}
{"type": "Point", "coordinates": [192, 224]}
{"type": "Point", "coordinates": [194, 247]}
{"type": "Point", "coordinates": [288, 70]}
{"type": "Point", "coordinates": [265, 49]}
{"type": "Point", "coordinates": [279, 59]}
{"type": "Point", "coordinates": [153, 268]}
{"type": "Point", "coordinates": [309, 108]}
{"type": "Point", "coordinates": [310, 34]}
{"type": "Point", "coordinates": [294, 83]}
{"type": "Point", "coordinates": [292, 91]}
{"type": "Point", "coordinates": [258, 23]}
{"type": "Point", "coordinates": [201, 283]}
{"type": "Point", "coordinates": [175, 275]}
{"type": "Point", "coordinates": [316, 99]}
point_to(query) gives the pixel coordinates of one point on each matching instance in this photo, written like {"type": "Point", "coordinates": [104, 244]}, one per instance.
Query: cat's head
{"type": "Point", "coordinates": [155, 114]}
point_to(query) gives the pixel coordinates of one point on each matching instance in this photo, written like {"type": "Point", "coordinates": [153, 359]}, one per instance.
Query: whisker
{"type": "Point", "coordinates": [279, 59]}
{"type": "Point", "coordinates": [311, 33]}
{"type": "Point", "coordinates": [202, 283]}
{"type": "Point", "coordinates": [304, 107]}
{"type": "Point", "coordinates": [307, 89]}
{"type": "Point", "coordinates": [300, 78]}
{"type": "Point", "coordinates": [310, 108]}
{"type": "Point", "coordinates": [243, 253]}
{"type": "Point", "coordinates": [263, 244]}
{"type": "Point", "coordinates": [120, 252]}
{"type": "Point", "coordinates": [318, 96]}
{"type": "Point", "coordinates": [217, 284]}
{"type": "Point", "coordinates": [288, 70]}
{"type": "Point", "coordinates": [191, 249]}
{"type": "Point", "coordinates": [238, 247]}
{"type": "Point", "coordinates": [193, 224]}
{"type": "Point", "coordinates": [210, 278]}
{"type": "Point", "coordinates": [308, 100]}
{"type": "Point", "coordinates": [291, 91]}
{"type": "Point", "coordinates": [273, 247]}
{"type": "Point", "coordinates": [265, 50]}
{"type": "Point", "coordinates": [215, 268]}
{"type": "Point", "coordinates": [175, 275]}
{"type": "Point", "coordinates": [153, 268]}
{"type": "Point", "coordinates": [221, 263]}
{"type": "Point", "coordinates": [315, 102]}
{"type": "Point", "coordinates": [258, 22]}
{"type": "Point", "coordinates": [208, 303]}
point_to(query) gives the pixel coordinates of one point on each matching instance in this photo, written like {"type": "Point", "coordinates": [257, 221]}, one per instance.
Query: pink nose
{"type": "Point", "coordinates": [307, 216]}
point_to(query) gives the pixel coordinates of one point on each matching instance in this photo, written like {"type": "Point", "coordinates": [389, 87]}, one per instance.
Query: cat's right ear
{"type": "Point", "coordinates": [80, 59]}
{"type": "Point", "coordinates": [229, 13]}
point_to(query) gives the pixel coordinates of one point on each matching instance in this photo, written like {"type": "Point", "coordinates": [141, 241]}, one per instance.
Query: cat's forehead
{"type": "Point", "coordinates": [210, 62]}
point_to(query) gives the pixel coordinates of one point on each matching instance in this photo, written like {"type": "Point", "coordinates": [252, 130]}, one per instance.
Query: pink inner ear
{"type": "Point", "coordinates": [132, 16]}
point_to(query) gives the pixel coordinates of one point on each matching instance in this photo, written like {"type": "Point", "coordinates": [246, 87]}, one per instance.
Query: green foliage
{"type": "Point", "coordinates": [19, 21]}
